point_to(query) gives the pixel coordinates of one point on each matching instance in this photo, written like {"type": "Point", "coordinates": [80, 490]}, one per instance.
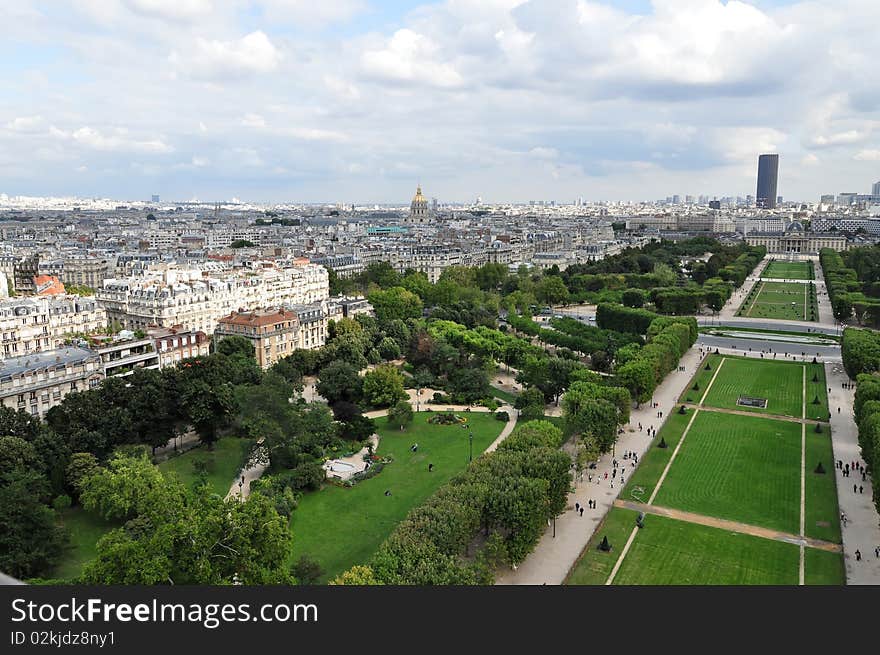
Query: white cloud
{"type": "Point", "coordinates": [213, 59]}
{"type": "Point", "coordinates": [841, 138]}
{"type": "Point", "coordinates": [867, 155]}
{"type": "Point", "coordinates": [410, 57]}
{"type": "Point", "coordinates": [113, 141]}
{"type": "Point", "coordinates": [171, 9]}
{"type": "Point", "coordinates": [253, 120]}
{"type": "Point", "coordinates": [25, 124]}
{"type": "Point", "coordinates": [309, 12]}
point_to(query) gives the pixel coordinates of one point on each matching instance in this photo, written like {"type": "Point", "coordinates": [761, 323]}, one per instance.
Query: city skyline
{"type": "Point", "coordinates": [276, 101]}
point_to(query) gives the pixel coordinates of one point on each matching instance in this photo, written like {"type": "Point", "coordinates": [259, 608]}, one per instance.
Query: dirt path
{"type": "Point", "coordinates": [742, 412]}
{"type": "Point", "coordinates": [731, 526]}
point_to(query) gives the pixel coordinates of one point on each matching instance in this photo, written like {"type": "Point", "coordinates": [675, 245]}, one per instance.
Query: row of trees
{"type": "Point", "coordinates": [738, 270]}
{"type": "Point", "coordinates": [860, 351]}
{"type": "Point", "coordinates": [491, 515]}
{"type": "Point", "coordinates": [847, 287]}
{"type": "Point", "coordinates": [644, 369]}
{"type": "Point", "coordinates": [867, 417]}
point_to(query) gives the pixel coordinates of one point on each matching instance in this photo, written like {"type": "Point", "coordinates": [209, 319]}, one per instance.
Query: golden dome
{"type": "Point", "coordinates": [419, 197]}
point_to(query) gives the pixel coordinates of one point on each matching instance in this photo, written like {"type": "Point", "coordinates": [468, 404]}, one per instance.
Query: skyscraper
{"type": "Point", "coordinates": [768, 170]}
{"type": "Point", "coordinates": [875, 190]}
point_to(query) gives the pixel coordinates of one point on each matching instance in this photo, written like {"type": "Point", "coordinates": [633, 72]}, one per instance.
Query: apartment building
{"type": "Point", "coordinates": [273, 333]}
{"type": "Point", "coordinates": [196, 300]}
{"type": "Point", "coordinates": [36, 324]}
{"type": "Point", "coordinates": [176, 343]}
{"type": "Point", "coordinates": [36, 382]}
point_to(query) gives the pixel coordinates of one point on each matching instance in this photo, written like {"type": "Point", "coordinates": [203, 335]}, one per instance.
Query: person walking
{"type": "Point", "coordinates": [860, 488]}
{"type": "Point", "coordinates": [582, 512]}
{"type": "Point", "coordinates": [858, 555]}
{"type": "Point", "coordinates": [577, 507]}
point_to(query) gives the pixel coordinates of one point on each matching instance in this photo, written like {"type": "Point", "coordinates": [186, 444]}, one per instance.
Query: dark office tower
{"type": "Point", "coordinates": [768, 169]}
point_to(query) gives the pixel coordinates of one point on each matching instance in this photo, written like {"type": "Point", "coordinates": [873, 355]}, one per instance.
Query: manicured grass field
{"type": "Point", "coordinates": [85, 530]}
{"type": "Point", "coordinates": [594, 566]}
{"type": "Point", "coordinates": [780, 300]}
{"type": "Point", "coordinates": [641, 484]}
{"type": "Point", "coordinates": [823, 568]}
{"type": "Point", "coordinates": [788, 270]}
{"type": "Point", "coordinates": [780, 382]}
{"type": "Point", "coordinates": [821, 512]}
{"type": "Point", "coordinates": [223, 464]}
{"type": "Point", "coordinates": [739, 468]}
{"type": "Point", "coordinates": [341, 527]}
{"type": "Point", "coordinates": [670, 552]}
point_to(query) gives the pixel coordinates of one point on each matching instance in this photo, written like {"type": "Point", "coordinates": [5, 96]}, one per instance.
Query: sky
{"type": "Point", "coordinates": [358, 101]}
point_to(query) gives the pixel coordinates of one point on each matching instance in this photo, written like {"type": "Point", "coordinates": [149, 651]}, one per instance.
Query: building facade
{"type": "Point", "coordinates": [273, 333]}
{"type": "Point", "coordinates": [768, 174]}
{"type": "Point", "coordinates": [38, 382]}
{"type": "Point", "coordinates": [196, 301]}
{"type": "Point", "coordinates": [31, 325]}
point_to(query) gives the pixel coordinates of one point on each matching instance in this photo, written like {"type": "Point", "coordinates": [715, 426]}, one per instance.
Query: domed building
{"type": "Point", "coordinates": [418, 209]}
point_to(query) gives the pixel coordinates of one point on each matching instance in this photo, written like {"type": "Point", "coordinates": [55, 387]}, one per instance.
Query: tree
{"type": "Point", "coordinates": [80, 467]}
{"type": "Point", "coordinates": [592, 418]}
{"type": "Point", "coordinates": [242, 243]}
{"type": "Point", "coordinates": [637, 375]}
{"type": "Point", "coordinates": [530, 404]}
{"type": "Point", "coordinates": [383, 386]}
{"type": "Point", "coordinates": [193, 537]}
{"type": "Point", "coordinates": [235, 346]}
{"type": "Point", "coordinates": [208, 408]}
{"type": "Point", "coordinates": [18, 454]}
{"type": "Point", "coordinates": [389, 349]}
{"type": "Point", "coordinates": [634, 297]}
{"type": "Point", "coordinates": [339, 381]}
{"type": "Point", "coordinates": [469, 384]}
{"type": "Point", "coordinates": [400, 415]}
{"type": "Point", "coordinates": [31, 543]}
{"type": "Point", "coordinates": [127, 487]}
{"type": "Point", "coordinates": [307, 570]}
{"type": "Point", "coordinates": [356, 576]}
{"type": "Point", "coordinates": [395, 303]}
{"type": "Point", "coordinates": [551, 290]}
{"type": "Point", "coordinates": [18, 423]}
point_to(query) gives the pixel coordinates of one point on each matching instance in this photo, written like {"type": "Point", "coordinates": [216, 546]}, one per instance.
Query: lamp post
{"type": "Point", "coordinates": [471, 440]}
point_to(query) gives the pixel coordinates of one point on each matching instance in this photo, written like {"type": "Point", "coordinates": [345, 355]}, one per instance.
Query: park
{"type": "Point", "coordinates": [728, 497]}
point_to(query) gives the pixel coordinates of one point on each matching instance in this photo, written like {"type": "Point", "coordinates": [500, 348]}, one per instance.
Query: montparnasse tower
{"type": "Point", "coordinates": [418, 209]}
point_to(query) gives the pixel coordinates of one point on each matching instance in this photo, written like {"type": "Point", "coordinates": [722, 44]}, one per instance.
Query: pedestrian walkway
{"type": "Point", "coordinates": [553, 556]}
{"type": "Point", "coordinates": [862, 528]}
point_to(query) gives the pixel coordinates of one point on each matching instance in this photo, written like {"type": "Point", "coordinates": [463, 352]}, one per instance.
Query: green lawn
{"type": "Point", "coordinates": [85, 530]}
{"type": "Point", "coordinates": [223, 463]}
{"type": "Point", "coordinates": [697, 386]}
{"type": "Point", "coordinates": [823, 568]}
{"type": "Point", "coordinates": [789, 270]}
{"type": "Point", "coordinates": [671, 552]}
{"type": "Point", "coordinates": [780, 382]}
{"type": "Point", "coordinates": [821, 513]}
{"type": "Point", "coordinates": [817, 389]}
{"type": "Point", "coordinates": [341, 527]}
{"type": "Point", "coordinates": [780, 300]}
{"type": "Point", "coordinates": [641, 484]}
{"type": "Point", "coordinates": [740, 468]}
{"type": "Point", "coordinates": [506, 396]}
{"type": "Point", "coordinates": [594, 566]}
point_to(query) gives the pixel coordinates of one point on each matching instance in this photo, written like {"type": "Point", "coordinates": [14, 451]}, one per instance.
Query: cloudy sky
{"type": "Point", "coordinates": [510, 100]}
